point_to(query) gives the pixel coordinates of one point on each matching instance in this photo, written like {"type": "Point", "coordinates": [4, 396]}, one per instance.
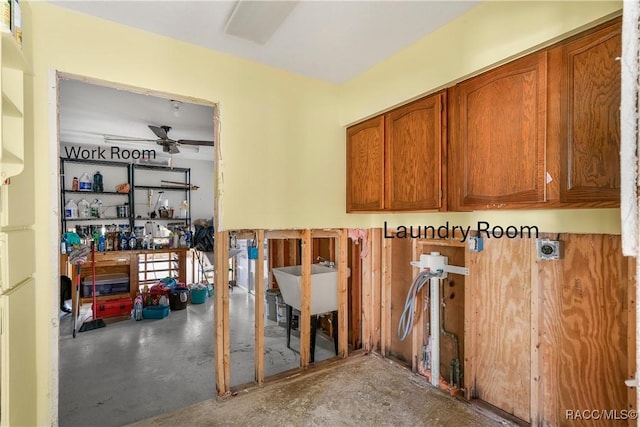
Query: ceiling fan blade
{"type": "Point", "coordinates": [126, 139]}
{"type": "Point", "coordinates": [161, 132]}
{"type": "Point", "coordinates": [195, 142]}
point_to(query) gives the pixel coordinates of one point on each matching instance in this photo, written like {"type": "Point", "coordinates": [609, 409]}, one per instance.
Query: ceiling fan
{"type": "Point", "coordinates": [168, 145]}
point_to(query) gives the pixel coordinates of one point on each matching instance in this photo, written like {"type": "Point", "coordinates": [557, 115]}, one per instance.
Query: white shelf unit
{"type": "Point", "coordinates": [13, 67]}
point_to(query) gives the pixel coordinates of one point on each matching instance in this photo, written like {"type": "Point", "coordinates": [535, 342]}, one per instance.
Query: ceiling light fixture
{"type": "Point", "coordinates": [176, 107]}
{"type": "Point", "coordinates": [257, 21]}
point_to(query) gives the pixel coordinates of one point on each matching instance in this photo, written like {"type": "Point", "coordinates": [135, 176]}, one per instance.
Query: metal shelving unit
{"type": "Point", "coordinates": [66, 193]}
{"type": "Point", "coordinates": [152, 184]}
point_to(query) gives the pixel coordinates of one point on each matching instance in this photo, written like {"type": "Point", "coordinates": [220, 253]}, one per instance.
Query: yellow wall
{"type": "Point", "coordinates": [276, 128]}
{"type": "Point", "coordinates": [282, 135]}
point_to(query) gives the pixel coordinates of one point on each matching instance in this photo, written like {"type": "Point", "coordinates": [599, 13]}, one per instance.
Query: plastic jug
{"type": "Point", "coordinates": [96, 209]}
{"type": "Point", "coordinates": [83, 209]}
{"type": "Point", "coordinates": [71, 209]}
{"type": "Point", "coordinates": [85, 183]}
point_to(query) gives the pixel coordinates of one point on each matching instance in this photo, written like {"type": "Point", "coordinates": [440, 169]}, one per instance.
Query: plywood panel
{"type": "Point", "coordinates": [401, 277]}
{"type": "Point", "coordinates": [375, 237]}
{"type": "Point", "coordinates": [585, 328]}
{"type": "Point", "coordinates": [502, 321]}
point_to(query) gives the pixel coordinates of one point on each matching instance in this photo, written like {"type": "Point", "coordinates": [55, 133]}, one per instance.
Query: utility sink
{"type": "Point", "coordinates": [324, 287]}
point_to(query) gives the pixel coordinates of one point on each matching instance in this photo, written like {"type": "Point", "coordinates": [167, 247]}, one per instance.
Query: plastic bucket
{"type": "Point", "coordinates": [198, 296]}
{"type": "Point", "coordinates": [178, 298]}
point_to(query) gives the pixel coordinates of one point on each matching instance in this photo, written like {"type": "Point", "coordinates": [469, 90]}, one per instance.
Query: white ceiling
{"type": "Point", "coordinates": [88, 112]}
{"type": "Point", "coordinates": [328, 40]}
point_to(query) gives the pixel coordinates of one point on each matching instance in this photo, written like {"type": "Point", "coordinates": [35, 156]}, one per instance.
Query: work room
{"type": "Point", "coordinates": [363, 213]}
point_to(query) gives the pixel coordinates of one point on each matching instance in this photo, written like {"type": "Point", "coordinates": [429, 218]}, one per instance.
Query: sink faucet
{"type": "Point", "coordinates": [326, 262]}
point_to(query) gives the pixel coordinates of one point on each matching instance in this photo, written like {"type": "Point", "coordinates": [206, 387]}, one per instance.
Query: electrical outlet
{"type": "Point", "coordinates": [549, 249]}
{"type": "Point", "coordinates": [476, 244]}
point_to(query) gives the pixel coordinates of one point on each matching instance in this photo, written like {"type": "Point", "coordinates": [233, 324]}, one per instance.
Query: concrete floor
{"type": "Point", "coordinates": [362, 390]}
{"type": "Point", "coordinates": [130, 370]}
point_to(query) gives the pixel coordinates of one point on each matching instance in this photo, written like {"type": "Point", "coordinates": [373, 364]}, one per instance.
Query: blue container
{"type": "Point", "coordinates": [155, 312]}
{"type": "Point", "coordinates": [198, 296]}
{"type": "Point", "coordinates": [252, 252]}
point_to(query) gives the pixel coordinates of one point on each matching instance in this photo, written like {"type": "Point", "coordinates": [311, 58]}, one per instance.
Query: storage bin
{"type": "Point", "coordinates": [113, 308]}
{"type": "Point", "coordinates": [178, 298]}
{"type": "Point", "coordinates": [198, 296]}
{"type": "Point", "coordinates": [106, 284]}
{"type": "Point", "coordinates": [155, 312]}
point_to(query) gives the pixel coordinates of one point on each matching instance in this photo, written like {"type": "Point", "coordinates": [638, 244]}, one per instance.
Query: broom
{"type": "Point", "coordinates": [94, 323]}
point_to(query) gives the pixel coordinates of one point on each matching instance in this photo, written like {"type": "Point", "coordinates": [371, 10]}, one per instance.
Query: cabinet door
{"type": "Point", "coordinates": [414, 136]}
{"type": "Point", "coordinates": [590, 116]}
{"type": "Point", "coordinates": [497, 152]}
{"type": "Point", "coordinates": [365, 166]}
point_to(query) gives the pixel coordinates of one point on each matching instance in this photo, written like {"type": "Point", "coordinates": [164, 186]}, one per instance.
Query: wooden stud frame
{"type": "Point", "coordinates": [259, 309]}
{"type": "Point", "coordinates": [385, 296]}
{"type": "Point", "coordinates": [221, 300]}
{"type": "Point", "coordinates": [221, 313]}
{"type": "Point", "coordinates": [366, 311]}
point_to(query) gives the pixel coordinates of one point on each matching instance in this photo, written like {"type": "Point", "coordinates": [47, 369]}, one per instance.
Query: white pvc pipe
{"type": "Point", "coordinates": [435, 331]}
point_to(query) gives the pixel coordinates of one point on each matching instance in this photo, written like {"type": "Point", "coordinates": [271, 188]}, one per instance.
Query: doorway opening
{"type": "Point", "coordinates": [145, 164]}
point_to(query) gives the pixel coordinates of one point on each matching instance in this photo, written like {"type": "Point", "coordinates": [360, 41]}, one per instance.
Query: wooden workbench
{"type": "Point", "coordinates": [133, 263]}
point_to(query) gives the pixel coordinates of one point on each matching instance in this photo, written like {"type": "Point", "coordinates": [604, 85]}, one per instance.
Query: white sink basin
{"type": "Point", "coordinates": [324, 287]}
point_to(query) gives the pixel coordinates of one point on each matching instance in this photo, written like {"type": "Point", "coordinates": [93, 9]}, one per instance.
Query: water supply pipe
{"type": "Point", "coordinates": [455, 362]}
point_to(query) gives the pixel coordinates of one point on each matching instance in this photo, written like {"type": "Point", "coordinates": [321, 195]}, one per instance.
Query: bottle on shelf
{"type": "Point", "coordinates": [183, 209]}
{"type": "Point", "coordinates": [97, 182]}
{"type": "Point", "coordinates": [124, 242]}
{"type": "Point", "coordinates": [101, 243]}
{"type": "Point", "coordinates": [84, 210]}
{"type": "Point", "coordinates": [85, 183]}
{"type": "Point", "coordinates": [74, 184]}
{"type": "Point", "coordinates": [96, 209]}
{"type": "Point", "coordinates": [63, 244]}
{"type": "Point", "coordinates": [71, 210]}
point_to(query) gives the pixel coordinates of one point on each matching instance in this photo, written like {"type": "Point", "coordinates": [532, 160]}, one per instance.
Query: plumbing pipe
{"type": "Point", "coordinates": [455, 362]}
{"type": "Point", "coordinates": [435, 336]}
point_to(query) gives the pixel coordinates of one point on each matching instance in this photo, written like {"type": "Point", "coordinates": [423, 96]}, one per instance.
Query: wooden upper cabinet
{"type": "Point", "coordinates": [589, 115]}
{"type": "Point", "coordinates": [414, 138]}
{"type": "Point", "coordinates": [497, 137]}
{"type": "Point", "coordinates": [365, 166]}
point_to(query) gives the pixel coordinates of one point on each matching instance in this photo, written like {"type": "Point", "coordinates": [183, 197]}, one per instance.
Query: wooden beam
{"type": "Point", "coordinates": [469, 323]}
{"type": "Point", "coordinates": [325, 233]}
{"type": "Point", "coordinates": [305, 301]}
{"type": "Point", "coordinates": [441, 242]}
{"type": "Point", "coordinates": [280, 256]}
{"type": "Point", "coordinates": [631, 332]}
{"type": "Point", "coordinates": [385, 302]}
{"type": "Point", "coordinates": [366, 308]}
{"type": "Point", "coordinates": [282, 234]}
{"type": "Point", "coordinates": [292, 249]}
{"type": "Point", "coordinates": [375, 237]}
{"type": "Point", "coordinates": [220, 317]}
{"type": "Point", "coordinates": [418, 325]}
{"type": "Point", "coordinates": [259, 309]}
{"type": "Point", "coordinates": [343, 324]}
{"type": "Point", "coordinates": [245, 234]}
{"type": "Point", "coordinates": [537, 354]}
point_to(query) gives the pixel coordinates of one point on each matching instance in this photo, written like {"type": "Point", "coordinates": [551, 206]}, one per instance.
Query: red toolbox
{"type": "Point", "coordinates": [114, 308]}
